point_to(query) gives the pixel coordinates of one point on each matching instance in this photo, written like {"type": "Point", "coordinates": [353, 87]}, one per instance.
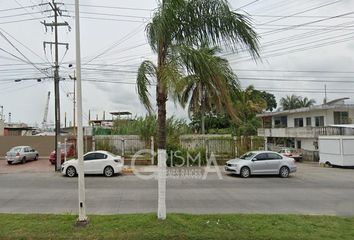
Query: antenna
{"type": "Point", "coordinates": [325, 100]}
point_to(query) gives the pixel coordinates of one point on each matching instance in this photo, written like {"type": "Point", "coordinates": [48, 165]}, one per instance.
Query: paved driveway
{"type": "Point", "coordinates": [312, 190]}
{"type": "Point", "coordinates": [40, 166]}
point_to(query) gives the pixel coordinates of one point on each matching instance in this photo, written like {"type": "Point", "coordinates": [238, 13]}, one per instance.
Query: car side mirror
{"type": "Point", "coordinates": [254, 159]}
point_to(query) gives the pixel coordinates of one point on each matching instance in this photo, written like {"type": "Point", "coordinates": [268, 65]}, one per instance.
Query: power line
{"type": "Point", "coordinates": [18, 15]}
{"type": "Point", "coordinates": [111, 14]}
{"type": "Point", "coordinates": [17, 8]}
{"type": "Point", "coordinates": [111, 7]}
{"type": "Point", "coordinates": [248, 4]}
{"type": "Point", "coordinates": [22, 20]}
{"type": "Point", "coordinates": [29, 61]}
{"type": "Point", "coordinates": [33, 52]}
{"type": "Point", "coordinates": [304, 11]}
{"type": "Point", "coordinates": [117, 43]}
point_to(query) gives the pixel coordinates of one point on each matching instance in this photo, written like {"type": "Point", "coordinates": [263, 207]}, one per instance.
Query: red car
{"type": "Point", "coordinates": [70, 152]}
{"type": "Point", "coordinates": [292, 153]}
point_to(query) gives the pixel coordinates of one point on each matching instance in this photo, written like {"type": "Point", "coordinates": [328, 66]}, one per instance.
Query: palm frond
{"type": "Point", "coordinates": [146, 71]}
{"type": "Point", "coordinates": [213, 72]}
{"type": "Point", "coordinates": [198, 22]}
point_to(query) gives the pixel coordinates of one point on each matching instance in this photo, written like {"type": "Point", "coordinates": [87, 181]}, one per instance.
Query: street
{"type": "Point", "coordinates": [312, 190]}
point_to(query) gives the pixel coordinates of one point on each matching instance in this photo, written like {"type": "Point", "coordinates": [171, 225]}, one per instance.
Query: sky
{"type": "Point", "coordinates": [305, 45]}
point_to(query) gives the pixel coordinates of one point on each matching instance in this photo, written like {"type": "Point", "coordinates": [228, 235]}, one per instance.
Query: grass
{"type": "Point", "coordinates": [177, 226]}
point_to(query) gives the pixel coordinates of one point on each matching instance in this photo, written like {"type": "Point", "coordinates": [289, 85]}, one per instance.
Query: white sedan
{"type": "Point", "coordinates": [98, 162]}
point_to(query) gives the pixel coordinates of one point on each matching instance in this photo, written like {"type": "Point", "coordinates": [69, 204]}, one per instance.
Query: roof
{"type": "Point", "coordinates": [100, 121]}
{"type": "Point", "coordinates": [307, 109]}
{"type": "Point", "coordinates": [120, 113]}
{"type": "Point", "coordinates": [19, 128]}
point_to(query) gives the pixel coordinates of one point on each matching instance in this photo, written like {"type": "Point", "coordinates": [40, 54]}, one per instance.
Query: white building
{"type": "Point", "coordinates": [300, 128]}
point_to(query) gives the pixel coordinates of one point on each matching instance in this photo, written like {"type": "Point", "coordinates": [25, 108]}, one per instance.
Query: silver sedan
{"type": "Point", "coordinates": [21, 154]}
{"type": "Point", "coordinates": [261, 162]}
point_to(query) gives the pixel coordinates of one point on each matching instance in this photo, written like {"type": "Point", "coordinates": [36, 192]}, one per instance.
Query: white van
{"type": "Point", "coordinates": [336, 150]}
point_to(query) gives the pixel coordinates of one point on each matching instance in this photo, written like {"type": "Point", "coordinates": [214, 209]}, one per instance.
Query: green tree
{"type": "Point", "coordinates": [269, 98]}
{"type": "Point", "coordinates": [207, 91]}
{"type": "Point", "coordinates": [248, 103]}
{"type": "Point", "coordinates": [177, 27]}
{"type": "Point", "coordinates": [294, 101]}
{"type": "Point", "coordinates": [305, 102]}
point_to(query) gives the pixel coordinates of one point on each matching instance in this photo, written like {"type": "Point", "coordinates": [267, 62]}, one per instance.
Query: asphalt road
{"type": "Point", "coordinates": [312, 190]}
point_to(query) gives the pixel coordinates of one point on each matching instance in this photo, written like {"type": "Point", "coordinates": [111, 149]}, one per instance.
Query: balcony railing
{"type": "Point", "coordinates": [301, 132]}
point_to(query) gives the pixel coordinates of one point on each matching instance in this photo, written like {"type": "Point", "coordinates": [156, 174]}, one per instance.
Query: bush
{"type": "Point", "coordinates": [105, 145]}
{"type": "Point", "coordinates": [178, 156]}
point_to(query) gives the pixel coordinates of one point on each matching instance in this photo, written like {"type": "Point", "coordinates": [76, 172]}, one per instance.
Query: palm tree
{"type": "Point", "coordinates": [207, 90]}
{"type": "Point", "coordinates": [293, 102]}
{"type": "Point", "coordinates": [178, 25]}
{"type": "Point", "coordinates": [305, 102]}
{"type": "Point", "coordinates": [290, 102]}
{"type": "Point", "coordinates": [248, 103]}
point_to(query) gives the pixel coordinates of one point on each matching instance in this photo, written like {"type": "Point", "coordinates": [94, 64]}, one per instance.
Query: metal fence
{"type": "Point", "coordinates": [121, 144]}
{"type": "Point", "coordinates": [222, 145]}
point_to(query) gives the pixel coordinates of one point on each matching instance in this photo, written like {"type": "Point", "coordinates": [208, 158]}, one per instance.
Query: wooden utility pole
{"type": "Point", "coordinates": [57, 12]}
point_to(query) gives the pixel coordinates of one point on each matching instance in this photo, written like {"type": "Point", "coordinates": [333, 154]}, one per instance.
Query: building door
{"type": "Point", "coordinates": [298, 144]}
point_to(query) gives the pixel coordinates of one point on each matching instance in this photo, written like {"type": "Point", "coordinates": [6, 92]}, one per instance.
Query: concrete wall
{"type": "Point", "coordinates": [327, 114]}
{"type": "Point", "coordinates": [306, 143]}
{"type": "Point", "coordinates": [43, 144]}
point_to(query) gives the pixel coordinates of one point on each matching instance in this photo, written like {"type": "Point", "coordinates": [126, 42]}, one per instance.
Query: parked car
{"type": "Point", "coordinates": [67, 149]}
{"type": "Point", "coordinates": [292, 153]}
{"type": "Point", "coordinates": [261, 162]}
{"type": "Point", "coordinates": [21, 154]}
{"type": "Point", "coordinates": [98, 162]}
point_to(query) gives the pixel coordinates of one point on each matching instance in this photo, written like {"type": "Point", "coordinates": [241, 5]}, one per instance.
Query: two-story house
{"type": "Point", "coordinates": [300, 128]}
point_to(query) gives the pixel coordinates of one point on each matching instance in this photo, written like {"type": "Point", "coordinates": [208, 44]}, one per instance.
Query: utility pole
{"type": "Point", "coordinates": [82, 220]}
{"type": "Point", "coordinates": [57, 12]}
{"type": "Point", "coordinates": [2, 112]}
{"type": "Point", "coordinates": [74, 102]}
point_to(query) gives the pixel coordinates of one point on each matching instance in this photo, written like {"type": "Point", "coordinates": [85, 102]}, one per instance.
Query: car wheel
{"type": "Point", "coordinates": [36, 158]}
{"type": "Point", "coordinates": [71, 171]}
{"type": "Point", "coordinates": [328, 164]}
{"type": "Point", "coordinates": [284, 172]}
{"type": "Point", "coordinates": [108, 171]}
{"type": "Point", "coordinates": [23, 161]}
{"type": "Point", "coordinates": [245, 172]}
{"type": "Point", "coordinates": [9, 163]}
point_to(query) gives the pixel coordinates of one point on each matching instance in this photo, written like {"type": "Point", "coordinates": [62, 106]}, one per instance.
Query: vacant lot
{"type": "Point", "coordinates": [178, 226]}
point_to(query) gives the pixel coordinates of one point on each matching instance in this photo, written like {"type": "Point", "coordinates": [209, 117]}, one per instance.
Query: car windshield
{"type": "Point", "coordinates": [15, 149]}
{"type": "Point", "coordinates": [248, 156]}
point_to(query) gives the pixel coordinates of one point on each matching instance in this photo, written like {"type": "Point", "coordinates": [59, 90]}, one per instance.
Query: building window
{"type": "Point", "coordinates": [267, 122]}
{"type": "Point", "coordinates": [298, 122]}
{"type": "Point", "coordinates": [319, 121]}
{"type": "Point", "coordinates": [308, 121]}
{"type": "Point", "coordinates": [341, 117]}
{"type": "Point", "coordinates": [281, 122]}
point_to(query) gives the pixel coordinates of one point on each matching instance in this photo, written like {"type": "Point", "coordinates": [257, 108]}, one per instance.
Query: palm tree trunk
{"type": "Point", "coordinates": [161, 99]}
{"type": "Point", "coordinates": [202, 106]}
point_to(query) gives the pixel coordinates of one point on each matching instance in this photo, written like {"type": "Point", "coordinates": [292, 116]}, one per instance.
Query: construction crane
{"type": "Point", "coordinates": [44, 123]}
